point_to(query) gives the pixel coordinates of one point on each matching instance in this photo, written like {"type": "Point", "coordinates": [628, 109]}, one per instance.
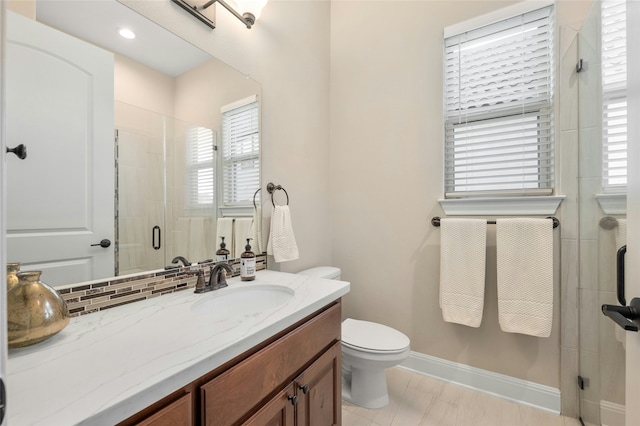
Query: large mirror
{"type": "Point", "coordinates": [154, 108]}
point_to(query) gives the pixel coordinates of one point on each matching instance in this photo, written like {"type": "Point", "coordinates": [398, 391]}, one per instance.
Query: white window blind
{"type": "Point", "coordinates": [240, 152]}
{"type": "Point", "coordinates": [614, 95]}
{"type": "Point", "coordinates": [498, 95]}
{"type": "Point", "coordinates": [201, 167]}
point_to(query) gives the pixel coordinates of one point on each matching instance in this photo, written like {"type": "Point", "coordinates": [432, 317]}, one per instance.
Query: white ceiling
{"type": "Point", "coordinates": [98, 22]}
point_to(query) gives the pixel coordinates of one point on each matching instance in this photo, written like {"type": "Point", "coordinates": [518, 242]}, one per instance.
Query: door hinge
{"type": "Point", "coordinates": [583, 382]}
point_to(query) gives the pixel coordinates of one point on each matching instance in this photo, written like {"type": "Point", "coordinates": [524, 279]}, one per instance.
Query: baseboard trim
{"type": "Point", "coordinates": [507, 387]}
{"type": "Point", "coordinates": [611, 414]}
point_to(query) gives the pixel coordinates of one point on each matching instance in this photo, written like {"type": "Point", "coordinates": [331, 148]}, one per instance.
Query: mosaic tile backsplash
{"type": "Point", "coordinates": [87, 298]}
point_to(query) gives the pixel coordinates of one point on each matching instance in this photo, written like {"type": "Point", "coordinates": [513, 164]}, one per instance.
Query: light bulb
{"type": "Point", "coordinates": [253, 7]}
{"type": "Point", "coordinates": [127, 33]}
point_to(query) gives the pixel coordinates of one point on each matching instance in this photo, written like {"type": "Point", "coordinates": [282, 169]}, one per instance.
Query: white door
{"type": "Point", "coordinates": [633, 209]}
{"type": "Point", "coordinates": [3, 276]}
{"type": "Point", "coordinates": [60, 199]}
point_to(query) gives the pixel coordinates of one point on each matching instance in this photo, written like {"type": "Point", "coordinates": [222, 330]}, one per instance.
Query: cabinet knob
{"type": "Point", "coordinates": [304, 389]}
{"type": "Point", "coordinates": [293, 399]}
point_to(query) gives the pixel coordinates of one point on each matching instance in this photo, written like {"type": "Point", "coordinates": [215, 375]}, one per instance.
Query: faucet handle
{"type": "Point", "coordinates": [200, 283]}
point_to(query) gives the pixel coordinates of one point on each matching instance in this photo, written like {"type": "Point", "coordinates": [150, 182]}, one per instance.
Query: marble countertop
{"type": "Point", "coordinates": [108, 365]}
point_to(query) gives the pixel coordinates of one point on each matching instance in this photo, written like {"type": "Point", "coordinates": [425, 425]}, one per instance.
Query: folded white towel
{"type": "Point", "coordinates": [462, 270]}
{"type": "Point", "coordinates": [241, 231]}
{"type": "Point", "coordinates": [525, 275]}
{"type": "Point", "coordinates": [256, 230]}
{"type": "Point", "coordinates": [621, 240]}
{"type": "Point", "coordinates": [282, 243]}
{"type": "Point", "coordinates": [224, 229]}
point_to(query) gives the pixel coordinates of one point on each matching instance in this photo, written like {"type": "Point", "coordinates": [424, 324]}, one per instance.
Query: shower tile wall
{"type": "Point", "coordinates": [140, 188]}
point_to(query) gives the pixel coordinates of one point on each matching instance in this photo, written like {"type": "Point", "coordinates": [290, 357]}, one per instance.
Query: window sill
{"type": "Point", "coordinates": [612, 203]}
{"type": "Point", "coordinates": [502, 206]}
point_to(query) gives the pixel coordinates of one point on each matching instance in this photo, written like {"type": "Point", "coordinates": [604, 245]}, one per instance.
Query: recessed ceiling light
{"type": "Point", "coordinates": [127, 33]}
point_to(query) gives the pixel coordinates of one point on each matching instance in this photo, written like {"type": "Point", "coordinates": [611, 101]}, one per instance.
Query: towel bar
{"type": "Point", "coordinates": [435, 221]}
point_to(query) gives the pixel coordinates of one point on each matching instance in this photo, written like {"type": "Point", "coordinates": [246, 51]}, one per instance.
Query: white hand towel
{"type": "Point", "coordinates": [525, 275]}
{"type": "Point", "coordinates": [256, 230]}
{"type": "Point", "coordinates": [282, 243]}
{"type": "Point", "coordinates": [462, 270]}
{"type": "Point", "coordinates": [621, 240]}
{"type": "Point", "coordinates": [224, 229]}
{"type": "Point", "coordinates": [241, 231]}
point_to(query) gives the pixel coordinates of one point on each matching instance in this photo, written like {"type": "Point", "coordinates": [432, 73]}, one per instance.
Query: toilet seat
{"type": "Point", "coordinates": [372, 337]}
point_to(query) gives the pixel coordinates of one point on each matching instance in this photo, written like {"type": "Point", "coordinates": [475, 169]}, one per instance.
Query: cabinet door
{"type": "Point", "coordinates": [319, 391]}
{"type": "Point", "coordinates": [280, 411]}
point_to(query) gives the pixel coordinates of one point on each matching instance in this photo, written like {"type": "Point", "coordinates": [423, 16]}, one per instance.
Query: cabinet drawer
{"type": "Point", "coordinates": [235, 393]}
{"type": "Point", "coordinates": [178, 413]}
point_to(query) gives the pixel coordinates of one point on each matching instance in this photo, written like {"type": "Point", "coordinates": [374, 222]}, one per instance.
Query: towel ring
{"type": "Point", "coordinates": [254, 198]}
{"type": "Point", "coordinates": [271, 188]}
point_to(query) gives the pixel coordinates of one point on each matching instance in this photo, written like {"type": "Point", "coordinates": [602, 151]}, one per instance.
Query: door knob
{"type": "Point", "coordinates": [20, 151]}
{"type": "Point", "coordinates": [104, 243]}
{"type": "Point", "coordinates": [304, 388]}
{"type": "Point", "coordinates": [625, 316]}
{"type": "Point", "coordinates": [293, 399]}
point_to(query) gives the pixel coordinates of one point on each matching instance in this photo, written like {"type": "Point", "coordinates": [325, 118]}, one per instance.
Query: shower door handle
{"type": "Point", "coordinates": [620, 274]}
{"type": "Point", "coordinates": [156, 237]}
{"type": "Point", "coordinates": [625, 316]}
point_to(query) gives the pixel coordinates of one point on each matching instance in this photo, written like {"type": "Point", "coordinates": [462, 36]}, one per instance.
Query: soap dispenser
{"type": "Point", "coordinates": [222, 255]}
{"type": "Point", "coordinates": [247, 264]}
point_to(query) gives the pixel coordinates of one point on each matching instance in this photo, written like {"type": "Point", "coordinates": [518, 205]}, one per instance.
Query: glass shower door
{"type": "Point", "coordinates": [602, 228]}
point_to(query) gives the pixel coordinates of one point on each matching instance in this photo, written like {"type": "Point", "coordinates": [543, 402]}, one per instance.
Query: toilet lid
{"type": "Point", "coordinates": [372, 336]}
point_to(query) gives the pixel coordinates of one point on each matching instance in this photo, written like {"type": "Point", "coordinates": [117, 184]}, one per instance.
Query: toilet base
{"type": "Point", "coordinates": [365, 387]}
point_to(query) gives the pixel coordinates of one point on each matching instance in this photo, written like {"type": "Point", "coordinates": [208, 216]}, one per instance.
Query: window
{"type": "Point", "coordinates": [201, 172]}
{"type": "Point", "coordinates": [498, 90]}
{"type": "Point", "coordinates": [614, 96]}
{"type": "Point", "coordinates": [240, 152]}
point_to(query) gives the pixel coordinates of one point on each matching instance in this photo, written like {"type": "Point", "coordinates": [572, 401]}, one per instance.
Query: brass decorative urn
{"type": "Point", "coordinates": [35, 311]}
{"type": "Point", "coordinates": [12, 277]}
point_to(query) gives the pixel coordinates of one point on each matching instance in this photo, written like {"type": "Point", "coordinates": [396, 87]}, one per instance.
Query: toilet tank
{"type": "Point", "coordinates": [328, 272]}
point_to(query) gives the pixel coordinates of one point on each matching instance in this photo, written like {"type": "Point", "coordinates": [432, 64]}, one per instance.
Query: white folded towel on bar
{"type": "Point", "coordinates": [241, 231]}
{"type": "Point", "coordinates": [282, 243]}
{"type": "Point", "coordinates": [525, 275]}
{"type": "Point", "coordinates": [462, 270]}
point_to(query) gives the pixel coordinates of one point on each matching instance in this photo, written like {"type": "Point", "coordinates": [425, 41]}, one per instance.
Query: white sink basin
{"type": "Point", "coordinates": [242, 301]}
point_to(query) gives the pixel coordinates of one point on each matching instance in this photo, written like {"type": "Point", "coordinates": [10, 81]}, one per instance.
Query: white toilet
{"type": "Point", "coordinates": [367, 349]}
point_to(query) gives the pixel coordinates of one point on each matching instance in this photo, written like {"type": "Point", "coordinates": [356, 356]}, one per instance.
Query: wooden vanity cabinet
{"type": "Point", "coordinates": [234, 395]}
{"type": "Point", "coordinates": [312, 399]}
{"type": "Point", "coordinates": [293, 379]}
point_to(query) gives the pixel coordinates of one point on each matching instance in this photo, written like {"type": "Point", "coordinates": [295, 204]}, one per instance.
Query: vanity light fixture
{"type": "Point", "coordinates": [249, 10]}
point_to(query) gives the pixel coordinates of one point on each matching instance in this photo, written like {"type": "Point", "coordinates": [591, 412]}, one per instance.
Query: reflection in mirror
{"type": "Point", "coordinates": [164, 101]}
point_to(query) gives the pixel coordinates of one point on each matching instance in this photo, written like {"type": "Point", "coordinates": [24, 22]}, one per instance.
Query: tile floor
{"type": "Point", "coordinates": [417, 400]}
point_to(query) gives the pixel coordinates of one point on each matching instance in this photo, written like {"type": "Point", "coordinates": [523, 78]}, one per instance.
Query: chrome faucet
{"type": "Point", "coordinates": [217, 278]}
{"type": "Point", "coordinates": [184, 261]}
